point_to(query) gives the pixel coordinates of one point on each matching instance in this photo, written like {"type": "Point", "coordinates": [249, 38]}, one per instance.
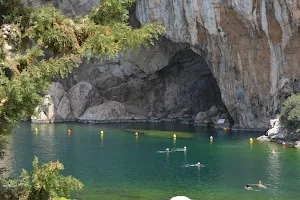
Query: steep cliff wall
{"type": "Point", "coordinates": [248, 48]}
{"type": "Point", "coordinates": [251, 47]}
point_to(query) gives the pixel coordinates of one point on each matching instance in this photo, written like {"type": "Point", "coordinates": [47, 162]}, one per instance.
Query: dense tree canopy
{"type": "Point", "coordinates": [38, 44]}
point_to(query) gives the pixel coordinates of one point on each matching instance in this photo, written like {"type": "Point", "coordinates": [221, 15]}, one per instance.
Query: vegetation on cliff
{"type": "Point", "coordinates": [290, 115]}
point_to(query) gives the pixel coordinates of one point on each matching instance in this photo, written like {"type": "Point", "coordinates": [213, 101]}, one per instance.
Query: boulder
{"type": "Point", "coordinates": [63, 109]}
{"type": "Point", "coordinates": [42, 116]}
{"type": "Point", "coordinates": [78, 96]}
{"type": "Point", "coordinates": [111, 110]}
{"type": "Point", "coordinates": [263, 138]}
{"type": "Point", "coordinates": [56, 91]}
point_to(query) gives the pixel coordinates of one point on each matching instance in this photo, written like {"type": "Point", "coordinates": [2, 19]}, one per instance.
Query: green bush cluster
{"type": "Point", "coordinates": [43, 183]}
{"type": "Point", "coordinates": [290, 114]}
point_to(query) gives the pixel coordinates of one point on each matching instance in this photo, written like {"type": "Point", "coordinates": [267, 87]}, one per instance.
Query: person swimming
{"type": "Point", "coordinates": [261, 185]}
{"type": "Point", "coordinates": [248, 187]}
{"type": "Point", "coordinates": [198, 164]}
{"type": "Point", "coordinates": [184, 148]}
{"type": "Point", "coordinates": [167, 149]}
{"type": "Point", "coordinates": [273, 151]}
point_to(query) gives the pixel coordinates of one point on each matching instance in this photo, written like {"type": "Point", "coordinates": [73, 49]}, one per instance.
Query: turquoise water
{"type": "Point", "coordinates": [121, 166]}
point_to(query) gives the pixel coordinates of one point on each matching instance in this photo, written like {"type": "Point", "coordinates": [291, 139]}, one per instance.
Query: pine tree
{"type": "Point", "coordinates": [27, 33]}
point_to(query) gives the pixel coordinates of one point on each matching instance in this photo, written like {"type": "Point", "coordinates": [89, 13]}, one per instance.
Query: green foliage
{"type": "Point", "coordinates": [111, 11]}
{"type": "Point", "coordinates": [291, 112]}
{"type": "Point", "coordinates": [44, 183]}
{"type": "Point", "coordinates": [26, 72]}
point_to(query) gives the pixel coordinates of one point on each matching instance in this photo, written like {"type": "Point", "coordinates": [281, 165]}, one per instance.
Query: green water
{"type": "Point", "coordinates": [121, 166]}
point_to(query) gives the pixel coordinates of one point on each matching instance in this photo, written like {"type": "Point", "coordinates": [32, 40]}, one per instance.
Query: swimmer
{"type": "Point", "coordinates": [198, 164]}
{"type": "Point", "coordinates": [184, 148]}
{"type": "Point", "coordinates": [211, 138]}
{"type": "Point", "coordinates": [167, 149]}
{"type": "Point", "coordinates": [248, 187]}
{"type": "Point", "coordinates": [261, 185]}
{"type": "Point", "coordinates": [273, 151]}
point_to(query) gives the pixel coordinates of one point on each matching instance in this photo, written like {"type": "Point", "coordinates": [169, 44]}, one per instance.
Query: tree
{"type": "Point", "coordinates": [291, 113]}
{"type": "Point", "coordinates": [38, 44]}
{"type": "Point", "coordinates": [43, 183]}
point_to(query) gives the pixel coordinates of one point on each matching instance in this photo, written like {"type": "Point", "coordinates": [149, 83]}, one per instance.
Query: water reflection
{"type": "Point", "coordinates": [43, 142]}
{"type": "Point", "coordinates": [274, 167]}
{"type": "Point", "coordinates": [198, 173]}
{"type": "Point", "coordinates": [101, 140]}
{"type": "Point", "coordinates": [137, 141]}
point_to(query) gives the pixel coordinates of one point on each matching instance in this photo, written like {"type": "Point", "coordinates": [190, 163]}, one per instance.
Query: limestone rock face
{"type": "Point", "coordinates": [78, 96]}
{"type": "Point", "coordinates": [276, 133]}
{"type": "Point", "coordinates": [111, 110]}
{"type": "Point", "coordinates": [251, 47]}
{"type": "Point", "coordinates": [56, 92]}
{"type": "Point", "coordinates": [241, 56]}
{"type": "Point", "coordinates": [63, 109]}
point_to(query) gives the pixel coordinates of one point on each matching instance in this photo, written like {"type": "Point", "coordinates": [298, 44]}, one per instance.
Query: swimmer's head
{"type": "Point", "coordinates": [167, 149]}
{"type": "Point", "coordinates": [259, 182]}
{"type": "Point", "coordinates": [198, 163]}
{"type": "Point", "coordinates": [248, 185]}
{"type": "Point", "coordinates": [184, 147]}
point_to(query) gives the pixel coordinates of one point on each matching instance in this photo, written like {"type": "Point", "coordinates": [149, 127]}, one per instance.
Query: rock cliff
{"type": "Point", "coordinates": [250, 46]}
{"type": "Point", "coordinates": [239, 57]}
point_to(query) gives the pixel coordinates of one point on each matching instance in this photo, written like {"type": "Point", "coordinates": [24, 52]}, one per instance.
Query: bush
{"type": "Point", "coordinates": [44, 183]}
{"type": "Point", "coordinates": [290, 115]}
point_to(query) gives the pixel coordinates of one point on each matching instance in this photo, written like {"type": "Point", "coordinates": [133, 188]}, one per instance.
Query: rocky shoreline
{"type": "Point", "coordinates": [150, 120]}
{"type": "Point", "coordinates": [278, 133]}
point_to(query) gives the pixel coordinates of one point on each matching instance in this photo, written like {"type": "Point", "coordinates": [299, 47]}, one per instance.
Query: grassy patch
{"type": "Point", "coordinates": [162, 134]}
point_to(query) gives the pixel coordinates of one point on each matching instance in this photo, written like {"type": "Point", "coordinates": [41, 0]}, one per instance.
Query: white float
{"type": "Point", "coordinates": [180, 198]}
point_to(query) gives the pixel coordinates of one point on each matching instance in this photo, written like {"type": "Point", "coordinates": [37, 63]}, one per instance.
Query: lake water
{"type": "Point", "coordinates": [118, 165]}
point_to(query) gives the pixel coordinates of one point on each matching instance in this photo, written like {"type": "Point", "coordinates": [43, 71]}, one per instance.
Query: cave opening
{"type": "Point", "coordinates": [186, 88]}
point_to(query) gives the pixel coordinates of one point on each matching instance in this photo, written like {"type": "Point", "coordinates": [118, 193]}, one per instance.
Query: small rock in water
{"type": "Point", "coordinates": [180, 198]}
{"type": "Point", "coordinates": [263, 138]}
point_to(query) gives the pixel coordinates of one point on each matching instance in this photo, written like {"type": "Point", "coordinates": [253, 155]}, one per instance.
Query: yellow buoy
{"type": "Point", "coordinates": [174, 136]}
{"type": "Point", "coordinates": [251, 140]}
{"type": "Point", "coordinates": [136, 134]}
{"type": "Point", "coordinates": [101, 132]}
{"type": "Point", "coordinates": [36, 129]}
{"type": "Point", "coordinates": [69, 131]}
